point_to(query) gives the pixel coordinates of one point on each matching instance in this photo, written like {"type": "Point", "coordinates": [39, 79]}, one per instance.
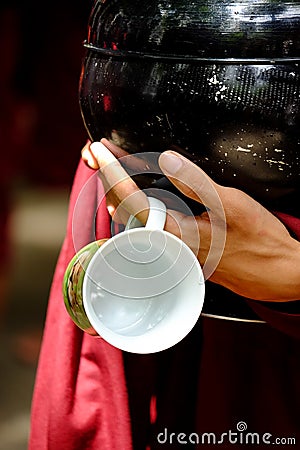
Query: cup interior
{"type": "Point", "coordinates": [143, 290]}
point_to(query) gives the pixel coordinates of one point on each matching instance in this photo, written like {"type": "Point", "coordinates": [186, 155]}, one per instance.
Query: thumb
{"type": "Point", "coordinates": [196, 184]}
{"type": "Point", "coordinates": [192, 181]}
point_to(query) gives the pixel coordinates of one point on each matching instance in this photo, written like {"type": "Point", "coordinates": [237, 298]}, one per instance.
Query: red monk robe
{"type": "Point", "coordinates": [226, 376]}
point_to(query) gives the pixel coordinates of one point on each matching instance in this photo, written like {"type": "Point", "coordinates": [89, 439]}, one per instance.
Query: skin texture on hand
{"type": "Point", "coordinates": [250, 250]}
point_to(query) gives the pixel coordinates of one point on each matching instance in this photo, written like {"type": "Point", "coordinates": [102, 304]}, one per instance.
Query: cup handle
{"type": "Point", "coordinates": [156, 218]}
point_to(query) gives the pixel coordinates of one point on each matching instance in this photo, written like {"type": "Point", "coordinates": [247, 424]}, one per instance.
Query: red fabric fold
{"type": "Point", "coordinates": [80, 398]}
{"type": "Point", "coordinates": [84, 371]}
{"type": "Point", "coordinates": [291, 222]}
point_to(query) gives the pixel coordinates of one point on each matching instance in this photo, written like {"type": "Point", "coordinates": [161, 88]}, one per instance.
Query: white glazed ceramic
{"type": "Point", "coordinates": [143, 289]}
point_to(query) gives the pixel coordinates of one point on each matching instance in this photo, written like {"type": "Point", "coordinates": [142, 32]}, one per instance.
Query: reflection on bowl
{"type": "Point", "coordinates": [217, 81]}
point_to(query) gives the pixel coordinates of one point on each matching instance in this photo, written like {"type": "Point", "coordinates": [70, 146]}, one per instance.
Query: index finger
{"type": "Point", "coordinates": [119, 183]}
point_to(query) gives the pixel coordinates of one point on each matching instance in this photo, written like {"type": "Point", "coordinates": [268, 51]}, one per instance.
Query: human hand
{"type": "Point", "coordinates": [249, 249]}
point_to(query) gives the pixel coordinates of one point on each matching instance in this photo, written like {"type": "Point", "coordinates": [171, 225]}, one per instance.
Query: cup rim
{"type": "Point", "coordinates": [146, 343]}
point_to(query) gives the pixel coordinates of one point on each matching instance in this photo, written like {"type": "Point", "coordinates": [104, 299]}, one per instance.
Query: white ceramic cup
{"type": "Point", "coordinates": [143, 289]}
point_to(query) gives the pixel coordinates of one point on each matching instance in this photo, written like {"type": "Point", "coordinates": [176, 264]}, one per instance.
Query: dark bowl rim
{"type": "Point", "coordinates": [129, 54]}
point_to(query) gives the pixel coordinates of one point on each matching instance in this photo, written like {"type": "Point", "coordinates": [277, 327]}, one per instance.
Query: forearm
{"type": "Point", "coordinates": [286, 274]}
{"type": "Point", "coordinates": [273, 275]}
{"type": "Point", "coordinates": [291, 262]}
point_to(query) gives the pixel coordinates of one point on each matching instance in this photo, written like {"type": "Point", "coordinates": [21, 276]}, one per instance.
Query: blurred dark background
{"type": "Point", "coordinates": [41, 136]}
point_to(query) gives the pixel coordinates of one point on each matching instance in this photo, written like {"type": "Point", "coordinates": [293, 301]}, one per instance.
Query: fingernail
{"type": "Point", "coordinates": [98, 149]}
{"type": "Point", "coordinates": [170, 163]}
{"type": "Point", "coordinates": [95, 146]}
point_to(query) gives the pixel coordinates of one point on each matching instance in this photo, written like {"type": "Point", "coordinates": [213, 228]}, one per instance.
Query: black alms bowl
{"type": "Point", "coordinates": [216, 80]}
